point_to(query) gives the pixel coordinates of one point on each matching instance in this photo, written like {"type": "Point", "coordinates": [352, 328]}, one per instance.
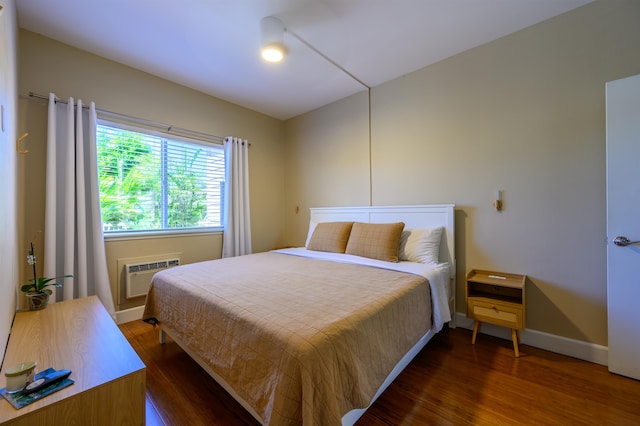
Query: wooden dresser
{"type": "Point", "coordinates": [79, 335]}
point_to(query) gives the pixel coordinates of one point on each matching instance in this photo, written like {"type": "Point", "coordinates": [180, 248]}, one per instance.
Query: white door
{"type": "Point", "coordinates": [623, 220]}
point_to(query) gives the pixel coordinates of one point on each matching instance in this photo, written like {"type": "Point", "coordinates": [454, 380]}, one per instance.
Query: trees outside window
{"type": "Point", "coordinates": [151, 182]}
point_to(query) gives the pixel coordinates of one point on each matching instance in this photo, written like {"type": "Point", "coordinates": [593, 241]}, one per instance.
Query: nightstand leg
{"type": "Point", "coordinates": [516, 339]}
{"type": "Point", "coordinates": [476, 328]}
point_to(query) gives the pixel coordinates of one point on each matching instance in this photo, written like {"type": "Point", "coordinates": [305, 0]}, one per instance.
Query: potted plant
{"type": "Point", "coordinates": [37, 290]}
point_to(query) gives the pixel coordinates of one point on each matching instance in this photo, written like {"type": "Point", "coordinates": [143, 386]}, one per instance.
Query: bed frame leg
{"type": "Point", "coordinates": [162, 337]}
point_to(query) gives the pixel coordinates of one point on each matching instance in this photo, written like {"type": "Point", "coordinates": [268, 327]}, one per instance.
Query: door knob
{"type": "Point", "coordinates": [623, 241]}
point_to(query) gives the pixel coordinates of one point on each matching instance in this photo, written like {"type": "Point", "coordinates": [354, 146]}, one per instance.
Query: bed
{"type": "Point", "coordinates": [312, 335]}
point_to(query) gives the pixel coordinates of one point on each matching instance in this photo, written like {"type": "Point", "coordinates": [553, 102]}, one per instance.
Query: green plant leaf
{"type": "Point", "coordinates": [40, 284]}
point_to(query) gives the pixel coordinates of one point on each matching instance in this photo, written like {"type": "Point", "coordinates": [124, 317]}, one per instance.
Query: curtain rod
{"type": "Point", "coordinates": [168, 128]}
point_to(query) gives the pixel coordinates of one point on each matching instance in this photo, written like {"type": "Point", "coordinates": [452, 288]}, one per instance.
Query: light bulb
{"type": "Point", "coordinates": [272, 53]}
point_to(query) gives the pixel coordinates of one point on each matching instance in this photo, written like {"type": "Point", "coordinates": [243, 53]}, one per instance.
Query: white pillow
{"type": "Point", "coordinates": [420, 245]}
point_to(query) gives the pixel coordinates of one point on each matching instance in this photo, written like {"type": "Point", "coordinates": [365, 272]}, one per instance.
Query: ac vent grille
{"type": "Point", "coordinates": [153, 266]}
{"type": "Point", "coordinates": [138, 275]}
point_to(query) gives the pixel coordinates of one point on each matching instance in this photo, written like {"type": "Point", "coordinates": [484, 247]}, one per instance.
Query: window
{"type": "Point", "coordinates": [151, 181]}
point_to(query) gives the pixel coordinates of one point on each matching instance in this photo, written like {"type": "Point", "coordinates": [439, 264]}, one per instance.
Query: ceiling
{"type": "Point", "coordinates": [213, 45]}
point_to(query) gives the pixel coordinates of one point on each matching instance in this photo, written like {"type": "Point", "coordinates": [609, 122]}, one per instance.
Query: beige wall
{"type": "Point", "coordinates": [8, 166]}
{"type": "Point", "coordinates": [327, 161]}
{"type": "Point", "coordinates": [48, 66]}
{"type": "Point", "coordinates": [524, 114]}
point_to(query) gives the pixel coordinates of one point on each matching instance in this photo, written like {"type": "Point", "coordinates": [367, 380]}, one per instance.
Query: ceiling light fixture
{"type": "Point", "coordinates": [273, 50]}
{"type": "Point", "coordinates": [272, 30]}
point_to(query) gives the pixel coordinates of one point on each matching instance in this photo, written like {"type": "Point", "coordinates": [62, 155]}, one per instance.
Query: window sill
{"type": "Point", "coordinates": [173, 233]}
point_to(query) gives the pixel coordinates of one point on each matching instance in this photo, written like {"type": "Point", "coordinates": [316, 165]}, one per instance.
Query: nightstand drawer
{"type": "Point", "coordinates": [496, 313]}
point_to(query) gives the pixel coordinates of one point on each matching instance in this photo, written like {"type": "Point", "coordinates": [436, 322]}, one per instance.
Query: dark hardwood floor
{"type": "Point", "coordinates": [450, 382]}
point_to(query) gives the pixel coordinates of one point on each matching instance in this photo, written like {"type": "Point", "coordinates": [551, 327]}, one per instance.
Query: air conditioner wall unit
{"type": "Point", "coordinates": [138, 275]}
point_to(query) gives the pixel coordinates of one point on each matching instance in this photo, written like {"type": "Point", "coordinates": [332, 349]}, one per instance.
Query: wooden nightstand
{"type": "Point", "coordinates": [497, 298]}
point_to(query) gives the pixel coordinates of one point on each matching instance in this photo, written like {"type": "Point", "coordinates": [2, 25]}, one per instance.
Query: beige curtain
{"type": "Point", "coordinates": [237, 220]}
{"type": "Point", "coordinates": [74, 241]}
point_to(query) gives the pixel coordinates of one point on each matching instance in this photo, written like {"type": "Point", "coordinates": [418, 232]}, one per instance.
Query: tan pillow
{"type": "Point", "coordinates": [330, 236]}
{"type": "Point", "coordinates": [375, 240]}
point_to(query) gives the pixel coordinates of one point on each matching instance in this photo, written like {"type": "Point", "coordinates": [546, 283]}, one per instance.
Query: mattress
{"type": "Point", "coordinates": [300, 337]}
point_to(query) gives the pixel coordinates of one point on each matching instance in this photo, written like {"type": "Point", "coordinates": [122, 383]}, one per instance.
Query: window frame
{"type": "Point", "coordinates": [134, 126]}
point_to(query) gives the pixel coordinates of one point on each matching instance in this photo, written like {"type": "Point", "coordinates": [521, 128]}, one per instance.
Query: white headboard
{"type": "Point", "coordinates": [420, 216]}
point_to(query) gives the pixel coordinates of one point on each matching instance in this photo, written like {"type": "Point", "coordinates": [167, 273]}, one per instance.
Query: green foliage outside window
{"type": "Point", "coordinates": [123, 160]}
{"type": "Point", "coordinates": [149, 182]}
{"type": "Point", "coordinates": [187, 199]}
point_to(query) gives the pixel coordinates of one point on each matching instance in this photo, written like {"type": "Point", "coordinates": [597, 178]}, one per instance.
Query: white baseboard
{"type": "Point", "coordinates": [129, 315]}
{"type": "Point", "coordinates": [575, 348]}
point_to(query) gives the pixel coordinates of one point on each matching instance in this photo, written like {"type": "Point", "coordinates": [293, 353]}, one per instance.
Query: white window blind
{"type": "Point", "coordinates": [151, 182]}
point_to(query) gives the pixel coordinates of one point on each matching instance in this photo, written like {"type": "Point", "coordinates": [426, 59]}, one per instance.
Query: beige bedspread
{"type": "Point", "coordinates": [303, 341]}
